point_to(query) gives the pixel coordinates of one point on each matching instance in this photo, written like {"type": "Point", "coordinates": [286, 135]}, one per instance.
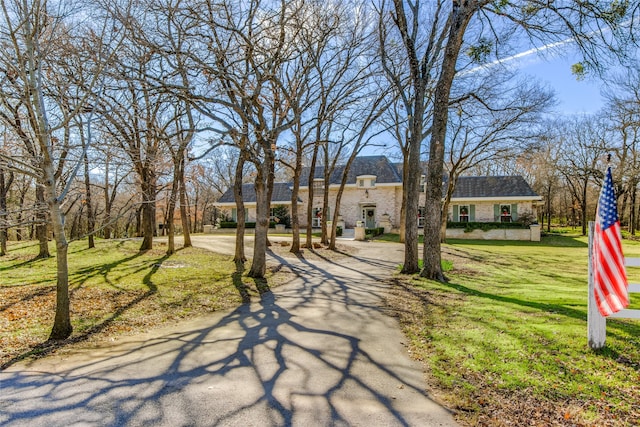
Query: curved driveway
{"type": "Point", "coordinates": [318, 351]}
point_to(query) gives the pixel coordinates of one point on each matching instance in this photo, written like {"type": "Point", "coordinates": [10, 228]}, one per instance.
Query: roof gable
{"type": "Point", "coordinates": [378, 166]}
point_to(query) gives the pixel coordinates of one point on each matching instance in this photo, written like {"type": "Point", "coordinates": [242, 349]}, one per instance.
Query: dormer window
{"type": "Point", "coordinates": [366, 181]}
{"type": "Point", "coordinates": [318, 186]}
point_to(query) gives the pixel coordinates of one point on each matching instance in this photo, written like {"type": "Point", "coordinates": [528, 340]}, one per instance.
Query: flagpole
{"type": "Point", "coordinates": [596, 323]}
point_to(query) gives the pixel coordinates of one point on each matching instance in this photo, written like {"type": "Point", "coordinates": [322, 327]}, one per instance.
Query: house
{"type": "Point", "coordinates": [373, 195]}
{"type": "Point", "coordinates": [281, 196]}
{"type": "Point", "coordinates": [493, 199]}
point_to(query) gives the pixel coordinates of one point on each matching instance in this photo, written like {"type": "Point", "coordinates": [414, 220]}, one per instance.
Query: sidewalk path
{"type": "Point", "coordinates": [318, 351]}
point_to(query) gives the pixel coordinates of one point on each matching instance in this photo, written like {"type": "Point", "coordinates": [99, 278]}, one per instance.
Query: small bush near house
{"type": "Point", "coordinates": [281, 215]}
{"type": "Point", "coordinates": [373, 232]}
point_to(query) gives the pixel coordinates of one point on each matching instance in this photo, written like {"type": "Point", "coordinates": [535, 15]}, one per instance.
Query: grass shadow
{"type": "Point", "coordinates": [614, 325]}
{"type": "Point", "coordinates": [49, 346]}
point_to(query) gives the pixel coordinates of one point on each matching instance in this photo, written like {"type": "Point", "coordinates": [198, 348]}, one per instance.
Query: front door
{"type": "Point", "coordinates": [369, 217]}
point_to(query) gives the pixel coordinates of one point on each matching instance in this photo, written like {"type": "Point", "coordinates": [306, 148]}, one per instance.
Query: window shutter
{"type": "Point", "coordinates": [472, 213]}
{"type": "Point", "coordinates": [234, 214]}
{"type": "Point", "coordinates": [514, 212]}
{"type": "Point", "coordinates": [456, 215]}
{"type": "Point", "coordinates": [496, 212]}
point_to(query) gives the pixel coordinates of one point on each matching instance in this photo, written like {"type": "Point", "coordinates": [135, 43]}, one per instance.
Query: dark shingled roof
{"type": "Point", "coordinates": [387, 172]}
{"type": "Point", "coordinates": [281, 193]}
{"type": "Point", "coordinates": [384, 171]}
{"type": "Point", "coordinates": [492, 186]}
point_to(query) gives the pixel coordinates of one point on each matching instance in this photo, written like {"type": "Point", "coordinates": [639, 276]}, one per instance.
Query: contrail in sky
{"type": "Point", "coordinates": [517, 56]}
{"type": "Point", "coordinates": [534, 51]}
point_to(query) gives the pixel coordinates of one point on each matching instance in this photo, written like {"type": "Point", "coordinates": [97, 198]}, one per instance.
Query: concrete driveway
{"type": "Point", "coordinates": [318, 351]}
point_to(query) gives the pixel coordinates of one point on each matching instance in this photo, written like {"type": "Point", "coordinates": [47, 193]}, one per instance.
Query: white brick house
{"type": "Point", "coordinates": [373, 195]}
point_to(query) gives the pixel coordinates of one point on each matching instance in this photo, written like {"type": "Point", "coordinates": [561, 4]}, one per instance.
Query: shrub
{"type": "Point", "coordinates": [485, 226]}
{"type": "Point", "coordinates": [374, 231]}
{"type": "Point", "coordinates": [281, 214]}
{"type": "Point", "coordinates": [233, 224]}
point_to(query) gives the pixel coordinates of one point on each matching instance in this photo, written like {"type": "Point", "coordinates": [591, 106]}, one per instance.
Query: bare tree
{"type": "Point", "coordinates": [540, 162]}
{"type": "Point", "coordinates": [422, 49]}
{"type": "Point", "coordinates": [34, 35]}
{"type": "Point", "coordinates": [136, 112]}
{"type": "Point", "coordinates": [493, 25]}
{"type": "Point", "coordinates": [582, 160]}
{"type": "Point", "coordinates": [246, 50]}
{"type": "Point", "coordinates": [488, 125]}
{"type": "Point", "coordinates": [623, 112]}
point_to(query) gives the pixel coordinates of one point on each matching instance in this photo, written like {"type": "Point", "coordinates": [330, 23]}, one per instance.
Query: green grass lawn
{"type": "Point", "coordinates": [114, 289]}
{"type": "Point", "coordinates": [506, 338]}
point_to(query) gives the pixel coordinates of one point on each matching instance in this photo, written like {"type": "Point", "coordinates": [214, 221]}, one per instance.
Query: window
{"type": "Point", "coordinates": [318, 186]}
{"type": "Point", "coordinates": [505, 213]}
{"type": "Point", "coordinates": [423, 182]}
{"type": "Point", "coordinates": [318, 215]}
{"type": "Point", "coordinates": [234, 214]}
{"type": "Point", "coordinates": [464, 213]}
{"type": "Point", "coordinates": [366, 181]}
{"type": "Point", "coordinates": [421, 216]}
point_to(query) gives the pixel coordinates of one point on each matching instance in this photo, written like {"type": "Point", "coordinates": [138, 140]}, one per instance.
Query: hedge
{"type": "Point", "coordinates": [486, 226]}
{"type": "Point", "coordinates": [233, 224]}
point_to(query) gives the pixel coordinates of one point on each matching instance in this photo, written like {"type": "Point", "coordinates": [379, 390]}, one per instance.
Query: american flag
{"type": "Point", "coordinates": [610, 277]}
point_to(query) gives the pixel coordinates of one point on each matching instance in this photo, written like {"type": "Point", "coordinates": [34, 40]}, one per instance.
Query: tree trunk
{"type": "Point", "coordinates": [259, 262]}
{"type": "Point", "coordinates": [196, 203]}
{"type": "Point", "coordinates": [312, 174]}
{"type": "Point", "coordinates": [264, 189]}
{"type": "Point", "coordinates": [23, 194]}
{"type": "Point", "coordinates": [169, 224]}
{"type": "Point", "coordinates": [411, 255]}
{"type": "Point", "coordinates": [295, 221]}
{"type": "Point", "coordinates": [91, 218]}
{"type": "Point", "coordinates": [41, 223]}
{"type": "Point", "coordinates": [184, 211]}
{"type": "Point", "coordinates": [403, 206]}
{"type": "Point", "coordinates": [325, 198]}
{"type": "Point", "coordinates": [548, 208]}
{"type": "Point", "coordinates": [62, 322]}
{"type": "Point", "coordinates": [148, 210]}
{"type": "Point", "coordinates": [239, 256]}
{"type": "Point", "coordinates": [460, 17]}
{"type": "Point", "coordinates": [5, 184]}
{"type": "Point", "coordinates": [106, 230]}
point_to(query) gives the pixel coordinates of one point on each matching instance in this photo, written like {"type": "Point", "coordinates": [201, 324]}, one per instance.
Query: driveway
{"type": "Point", "coordinates": [318, 351]}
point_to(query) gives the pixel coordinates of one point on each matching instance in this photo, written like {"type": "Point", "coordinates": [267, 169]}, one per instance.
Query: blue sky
{"type": "Point", "coordinates": [574, 97]}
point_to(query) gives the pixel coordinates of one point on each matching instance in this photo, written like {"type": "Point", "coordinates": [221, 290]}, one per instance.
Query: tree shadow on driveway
{"type": "Point", "coordinates": [319, 352]}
